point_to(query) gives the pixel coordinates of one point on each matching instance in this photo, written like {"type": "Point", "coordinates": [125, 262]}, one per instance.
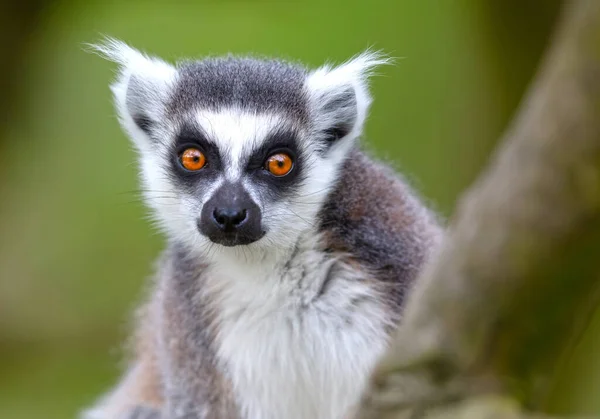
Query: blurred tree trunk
{"type": "Point", "coordinates": [516, 34]}
{"type": "Point", "coordinates": [517, 276]}
{"type": "Point", "coordinates": [18, 20]}
{"type": "Point", "coordinates": [510, 38]}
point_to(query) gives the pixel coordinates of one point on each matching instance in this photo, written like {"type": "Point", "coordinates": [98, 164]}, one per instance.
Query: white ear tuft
{"type": "Point", "coordinates": [339, 96]}
{"type": "Point", "coordinates": [141, 89]}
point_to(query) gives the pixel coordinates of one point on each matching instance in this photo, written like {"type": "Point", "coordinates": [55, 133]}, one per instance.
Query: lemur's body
{"type": "Point", "coordinates": [285, 320]}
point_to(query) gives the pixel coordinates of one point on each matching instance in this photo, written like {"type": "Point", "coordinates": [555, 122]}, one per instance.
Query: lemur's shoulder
{"type": "Point", "coordinates": [375, 216]}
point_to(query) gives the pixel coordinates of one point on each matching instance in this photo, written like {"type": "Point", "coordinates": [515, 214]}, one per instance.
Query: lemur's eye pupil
{"type": "Point", "coordinates": [279, 164]}
{"type": "Point", "coordinates": [192, 159]}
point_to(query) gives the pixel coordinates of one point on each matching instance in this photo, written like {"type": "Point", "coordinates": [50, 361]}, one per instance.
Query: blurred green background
{"type": "Point", "coordinates": [75, 247]}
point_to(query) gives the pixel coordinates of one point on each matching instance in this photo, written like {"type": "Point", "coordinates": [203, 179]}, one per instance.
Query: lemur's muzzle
{"type": "Point", "coordinates": [231, 217]}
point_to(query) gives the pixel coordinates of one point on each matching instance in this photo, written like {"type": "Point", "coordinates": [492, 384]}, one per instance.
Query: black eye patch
{"type": "Point", "coordinates": [279, 140]}
{"type": "Point", "coordinates": [193, 137]}
{"type": "Point", "coordinates": [275, 187]}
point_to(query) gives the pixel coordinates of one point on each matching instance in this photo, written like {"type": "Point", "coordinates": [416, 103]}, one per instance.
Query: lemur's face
{"type": "Point", "coordinates": [238, 151]}
{"type": "Point", "coordinates": [239, 177]}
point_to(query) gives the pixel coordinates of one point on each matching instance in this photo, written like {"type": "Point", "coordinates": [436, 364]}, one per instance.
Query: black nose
{"type": "Point", "coordinates": [231, 217]}
{"type": "Point", "coordinates": [228, 219]}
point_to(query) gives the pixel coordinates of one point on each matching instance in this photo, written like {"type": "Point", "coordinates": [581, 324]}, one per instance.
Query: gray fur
{"type": "Point", "coordinates": [194, 386]}
{"type": "Point", "coordinates": [371, 217]}
{"type": "Point", "coordinates": [299, 316]}
{"type": "Point", "coordinates": [374, 216]}
{"type": "Point", "coordinates": [142, 412]}
{"type": "Point", "coordinates": [252, 84]}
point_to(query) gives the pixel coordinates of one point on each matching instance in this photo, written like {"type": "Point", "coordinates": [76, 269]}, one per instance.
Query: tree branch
{"type": "Point", "coordinates": [517, 273]}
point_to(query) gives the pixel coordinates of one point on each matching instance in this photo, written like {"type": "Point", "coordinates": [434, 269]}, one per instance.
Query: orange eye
{"type": "Point", "coordinates": [192, 159]}
{"type": "Point", "coordinates": [279, 164]}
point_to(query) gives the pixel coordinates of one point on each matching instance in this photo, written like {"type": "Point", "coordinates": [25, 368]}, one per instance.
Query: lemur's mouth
{"type": "Point", "coordinates": [234, 239]}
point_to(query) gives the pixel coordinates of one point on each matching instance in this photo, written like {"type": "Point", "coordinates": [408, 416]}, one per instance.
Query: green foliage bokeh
{"type": "Point", "coordinates": [75, 242]}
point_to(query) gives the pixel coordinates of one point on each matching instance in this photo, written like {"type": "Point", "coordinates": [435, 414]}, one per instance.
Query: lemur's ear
{"type": "Point", "coordinates": [140, 90]}
{"type": "Point", "coordinates": [339, 96]}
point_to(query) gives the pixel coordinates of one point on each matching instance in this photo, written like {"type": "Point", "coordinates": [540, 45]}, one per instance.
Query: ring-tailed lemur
{"type": "Point", "coordinates": [289, 250]}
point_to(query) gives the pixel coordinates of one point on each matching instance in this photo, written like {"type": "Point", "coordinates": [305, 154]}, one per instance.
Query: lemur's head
{"type": "Point", "coordinates": [238, 151]}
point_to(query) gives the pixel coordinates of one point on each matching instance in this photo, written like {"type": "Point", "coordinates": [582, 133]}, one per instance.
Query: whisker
{"type": "Point", "coordinates": [314, 193]}
{"type": "Point", "coordinates": [145, 190]}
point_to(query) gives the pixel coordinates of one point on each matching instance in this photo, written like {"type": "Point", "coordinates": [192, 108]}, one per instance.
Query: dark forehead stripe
{"type": "Point", "coordinates": [253, 84]}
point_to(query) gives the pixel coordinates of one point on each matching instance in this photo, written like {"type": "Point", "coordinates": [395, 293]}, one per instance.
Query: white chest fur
{"type": "Point", "coordinates": [300, 341]}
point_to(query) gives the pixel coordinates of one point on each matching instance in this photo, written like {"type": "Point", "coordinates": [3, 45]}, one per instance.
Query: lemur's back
{"type": "Point", "coordinates": [374, 214]}
{"type": "Point", "coordinates": [289, 250]}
